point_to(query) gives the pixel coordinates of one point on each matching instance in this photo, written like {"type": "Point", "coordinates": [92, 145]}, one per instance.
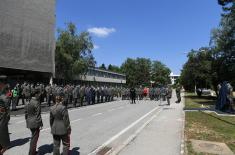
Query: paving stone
{"type": "Point", "coordinates": [201, 146]}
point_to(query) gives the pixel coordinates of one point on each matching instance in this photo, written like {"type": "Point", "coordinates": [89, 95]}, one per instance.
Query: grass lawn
{"type": "Point", "coordinates": [193, 101]}
{"type": "Point", "coordinates": [207, 126]}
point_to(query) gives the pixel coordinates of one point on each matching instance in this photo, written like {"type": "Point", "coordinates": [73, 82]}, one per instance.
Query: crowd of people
{"type": "Point", "coordinates": [58, 97]}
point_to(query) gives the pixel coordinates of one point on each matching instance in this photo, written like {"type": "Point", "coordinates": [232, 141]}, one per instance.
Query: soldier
{"type": "Point", "coordinates": [93, 94]}
{"type": "Point", "coordinates": [82, 94]}
{"type": "Point", "coordinates": [151, 93]}
{"type": "Point", "coordinates": [98, 93]}
{"type": "Point", "coordinates": [168, 94]}
{"type": "Point", "coordinates": [4, 119]}
{"type": "Point", "coordinates": [88, 95]}
{"type": "Point", "coordinates": [34, 119]}
{"type": "Point", "coordinates": [75, 95]}
{"type": "Point", "coordinates": [26, 92]}
{"type": "Point", "coordinates": [60, 125]}
{"type": "Point", "coordinates": [49, 94]}
{"type": "Point", "coordinates": [178, 90]}
{"type": "Point", "coordinates": [101, 94]}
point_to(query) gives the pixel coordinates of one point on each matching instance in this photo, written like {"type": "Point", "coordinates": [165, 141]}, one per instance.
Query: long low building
{"type": "Point", "coordinates": [100, 76]}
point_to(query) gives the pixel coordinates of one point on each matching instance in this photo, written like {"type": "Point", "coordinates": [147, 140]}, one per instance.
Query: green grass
{"type": "Point", "coordinates": [207, 126]}
{"type": "Point", "coordinates": [193, 101]}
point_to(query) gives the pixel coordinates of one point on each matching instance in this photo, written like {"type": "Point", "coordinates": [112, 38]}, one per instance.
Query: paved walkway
{"type": "Point", "coordinates": [163, 136]}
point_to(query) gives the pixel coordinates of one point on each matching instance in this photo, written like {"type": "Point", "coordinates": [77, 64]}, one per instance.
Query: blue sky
{"type": "Point", "coordinates": [157, 29]}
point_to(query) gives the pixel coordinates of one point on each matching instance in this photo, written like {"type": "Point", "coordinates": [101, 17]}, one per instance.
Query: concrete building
{"type": "Point", "coordinates": [174, 77]}
{"type": "Point", "coordinates": [103, 77]}
{"type": "Point", "coordinates": [27, 38]}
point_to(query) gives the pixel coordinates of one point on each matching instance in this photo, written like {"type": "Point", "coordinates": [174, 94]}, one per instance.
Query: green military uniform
{"type": "Point", "coordinates": [168, 95]}
{"type": "Point", "coordinates": [60, 128]}
{"type": "Point", "coordinates": [4, 119]}
{"type": "Point", "coordinates": [178, 95]}
{"type": "Point", "coordinates": [33, 121]}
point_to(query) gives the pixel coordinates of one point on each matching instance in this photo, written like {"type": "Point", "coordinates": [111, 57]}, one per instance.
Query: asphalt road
{"type": "Point", "coordinates": [96, 129]}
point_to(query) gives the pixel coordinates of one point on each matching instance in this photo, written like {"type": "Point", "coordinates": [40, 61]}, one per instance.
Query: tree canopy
{"type": "Point", "coordinates": [73, 54]}
{"type": "Point", "coordinates": [209, 66]}
{"type": "Point", "coordinates": [142, 71]}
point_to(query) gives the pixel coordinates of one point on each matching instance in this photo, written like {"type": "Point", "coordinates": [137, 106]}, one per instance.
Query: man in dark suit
{"type": "Point", "coordinates": [132, 95]}
{"type": "Point", "coordinates": [60, 125]}
{"type": "Point", "coordinates": [34, 119]}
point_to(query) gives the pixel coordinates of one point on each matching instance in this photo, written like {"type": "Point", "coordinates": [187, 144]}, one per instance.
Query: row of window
{"type": "Point", "coordinates": [98, 73]}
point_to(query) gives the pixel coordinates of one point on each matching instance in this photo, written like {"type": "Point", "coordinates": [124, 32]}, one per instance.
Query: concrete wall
{"type": "Point", "coordinates": [27, 30]}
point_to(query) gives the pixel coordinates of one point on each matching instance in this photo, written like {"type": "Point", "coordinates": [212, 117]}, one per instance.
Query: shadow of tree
{"type": "Point", "coordinates": [19, 142]}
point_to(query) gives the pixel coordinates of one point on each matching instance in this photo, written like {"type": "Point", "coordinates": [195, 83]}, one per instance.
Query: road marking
{"type": "Point", "coordinates": [111, 110]}
{"type": "Point", "coordinates": [76, 120]}
{"type": "Point", "coordinates": [133, 136]}
{"type": "Point", "coordinates": [121, 132]}
{"type": "Point", "coordinates": [97, 114]}
{"type": "Point", "coordinates": [120, 107]}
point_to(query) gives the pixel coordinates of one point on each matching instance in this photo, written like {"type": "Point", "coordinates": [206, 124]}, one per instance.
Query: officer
{"type": "Point", "coordinates": [168, 94]}
{"type": "Point", "coordinates": [4, 119]}
{"type": "Point", "coordinates": [60, 125]}
{"type": "Point", "coordinates": [34, 119]}
{"type": "Point", "coordinates": [132, 95]}
{"type": "Point", "coordinates": [178, 90]}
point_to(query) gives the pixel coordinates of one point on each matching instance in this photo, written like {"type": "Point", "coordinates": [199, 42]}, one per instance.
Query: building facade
{"type": "Point", "coordinates": [103, 77]}
{"type": "Point", "coordinates": [27, 37]}
{"type": "Point", "coordinates": [174, 77]}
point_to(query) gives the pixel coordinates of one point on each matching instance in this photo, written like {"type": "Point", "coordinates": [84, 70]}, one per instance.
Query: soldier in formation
{"type": "Point", "coordinates": [34, 119]}
{"type": "Point", "coordinates": [4, 119]}
{"type": "Point", "coordinates": [60, 124]}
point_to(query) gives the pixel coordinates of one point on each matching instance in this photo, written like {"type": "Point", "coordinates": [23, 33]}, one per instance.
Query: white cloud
{"type": "Point", "coordinates": [101, 31]}
{"type": "Point", "coordinates": [96, 47]}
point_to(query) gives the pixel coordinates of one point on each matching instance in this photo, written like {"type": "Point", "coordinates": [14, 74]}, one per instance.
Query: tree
{"type": "Point", "coordinates": [103, 67]}
{"type": "Point", "coordinates": [160, 74]}
{"type": "Point", "coordinates": [141, 71]}
{"type": "Point", "coordinates": [129, 68]}
{"type": "Point", "coordinates": [223, 45]}
{"type": "Point", "coordinates": [114, 68]}
{"type": "Point", "coordinates": [73, 53]}
{"type": "Point", "coordinates": [197, 70]}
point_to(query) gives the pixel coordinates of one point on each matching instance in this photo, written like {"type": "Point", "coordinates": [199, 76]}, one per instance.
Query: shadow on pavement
{"type": "Point", "coordinates": [45, 149]}
{"type": "Point", "coordinates": [75, 151]}
{"type": "Point", "coordinates": [19, 142]}
{"type": "Point", "coordinates": [48, 149]}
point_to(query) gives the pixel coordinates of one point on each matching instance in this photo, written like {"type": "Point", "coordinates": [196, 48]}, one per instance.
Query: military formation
{"type": "Point", "coordinates": [163, 93]}
{"type": "Point", "coordinates": [77, 95]}
{"type": "Point", "coordinates": [58, 97]}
